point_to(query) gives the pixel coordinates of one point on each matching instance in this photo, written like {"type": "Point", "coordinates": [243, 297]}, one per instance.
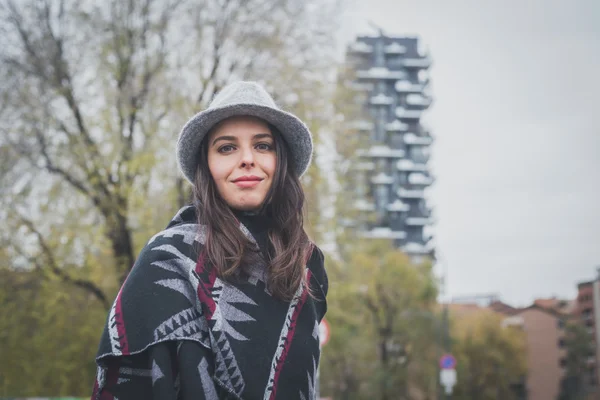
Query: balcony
{"type": "Point", "coordinates": [419, 178]}
{"type": "Point", "coordinates": [403, 113]}
{"type": "Point", "coordinates": [382, 151]}
{"type": "Point", "coordinates": [396, 126]}
{"type": "Point", "coordinates": [411, 194]}
{"type": "Point", "coordinates": [380, 73]}
{"type": "Point", "coordinates": [384, 233]}
{"type": "Point", "coordinates": [408, 87]}
{"type": "Point", "coordinates": [412, 139]}
{"type": "Point", "coordinates": [398, 206]}
{"type": "Point", "coordinates": [382, 100]}
{"type": "Point", "coordinates": [394, 49]}
{"type": "Point", "coordinates": [382, 179]}
{"type": "Point", "coordinates": [416, 248]}
{"type": "Point", "coordinates": [360, 48]}
{"type": "Point", "coordinates": [418, 221]}
{"type": "Point", "coordinates": [424, 62]}
{"type": "Point", "coordinates": [416, 99]}
{"type": "Point", "coordinates": [409, 165]}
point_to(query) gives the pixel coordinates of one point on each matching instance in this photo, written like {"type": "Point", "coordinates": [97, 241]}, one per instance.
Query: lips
{"type": "Point", "coordinates": [247, 181]}
{"type": "Point", "coordinates": [248, 178]}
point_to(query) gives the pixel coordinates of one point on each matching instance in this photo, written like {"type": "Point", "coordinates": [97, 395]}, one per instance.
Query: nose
{"type": "Point", "coordinates": [247, 158]}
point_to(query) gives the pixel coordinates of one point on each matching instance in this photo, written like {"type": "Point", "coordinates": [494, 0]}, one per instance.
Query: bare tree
{"type": "Point", "coordinates": [91, 93]}
{"type": "Point", "coordinates": [57, 126]}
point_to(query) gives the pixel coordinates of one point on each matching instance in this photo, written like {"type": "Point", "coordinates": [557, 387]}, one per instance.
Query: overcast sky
{"type": "Point", "coordinates": [517, 151]}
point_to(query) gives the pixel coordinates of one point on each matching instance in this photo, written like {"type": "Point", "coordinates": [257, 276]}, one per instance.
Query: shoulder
{"type": "Point", "coordinates": [183, 230]}
{"type": "Point", "coordinates": [175, 249]}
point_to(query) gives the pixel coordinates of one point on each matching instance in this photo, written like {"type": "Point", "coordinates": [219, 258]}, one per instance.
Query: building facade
{"type": "Point", "coordinates": [546, 353]}
{"type": "Point", "coordinates": [587, 310]}
{"type": "Point", "coordinates": [390, 74]}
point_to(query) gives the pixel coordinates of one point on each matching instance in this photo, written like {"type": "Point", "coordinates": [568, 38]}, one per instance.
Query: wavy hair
{"type": "Point", "coordinates": [226, 246]}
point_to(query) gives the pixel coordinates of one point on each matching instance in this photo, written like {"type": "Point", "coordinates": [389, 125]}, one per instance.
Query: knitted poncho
{"type": "Point", "coordinates": [177, 331]}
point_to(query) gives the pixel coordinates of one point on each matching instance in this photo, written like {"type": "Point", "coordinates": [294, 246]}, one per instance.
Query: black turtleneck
{"type": "Point", "coordinates": [258, 225]}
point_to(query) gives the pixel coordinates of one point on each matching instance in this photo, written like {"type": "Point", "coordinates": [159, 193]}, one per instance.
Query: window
{"type": "Point", "coordinates": [561, 324]}
{"type": "Point", "coordinates": [561, 343]}
{"type": "Point", "coordinates": [563, 362]}
{"type": "Point", "coordinates": [589, 323]}
{"type": "Point", "coordinates": [562, 304]}
{"type": "Point", "coordinates": [584, 298]}
{"type": "Point", "coordinates": [419, 154]}
{"type": "Point", "coordinates": [403, 178]}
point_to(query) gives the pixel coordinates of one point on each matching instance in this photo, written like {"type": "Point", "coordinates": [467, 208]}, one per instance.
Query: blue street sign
{"type": "Point", "coordinates": [447, 361]}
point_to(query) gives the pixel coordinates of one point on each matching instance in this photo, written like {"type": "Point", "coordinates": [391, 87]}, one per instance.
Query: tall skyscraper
{"type": "Point", "coordinates": [391, 76]}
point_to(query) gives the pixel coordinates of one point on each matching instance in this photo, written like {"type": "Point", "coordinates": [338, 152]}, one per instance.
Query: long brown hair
{"type": "Point", "coordinates": [226, 246]}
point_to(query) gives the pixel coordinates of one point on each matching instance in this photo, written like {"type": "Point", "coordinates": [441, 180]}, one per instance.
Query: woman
{"type": "Point", "coordinates": [225, 303]}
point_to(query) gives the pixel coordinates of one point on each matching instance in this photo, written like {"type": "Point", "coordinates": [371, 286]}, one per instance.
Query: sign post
{"type": "Point", "coordinates": [448, 372]}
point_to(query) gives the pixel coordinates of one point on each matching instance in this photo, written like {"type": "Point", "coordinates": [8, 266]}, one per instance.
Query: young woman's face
{"type": "Point", "coordinates": [242, 161]}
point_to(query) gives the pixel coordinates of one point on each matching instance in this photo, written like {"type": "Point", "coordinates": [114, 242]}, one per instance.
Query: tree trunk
{"type": "Point", "coordinates": [384, 366]}
{"type": "Point", "coordinates": [120, 238]}
{"type": "Point", "coordinates": [122, 246]}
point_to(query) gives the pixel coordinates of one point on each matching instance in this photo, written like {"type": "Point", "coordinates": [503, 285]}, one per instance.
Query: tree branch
{"type": "Point", "coordinates": [59, 77]}
{"type": "Point", "coordinates": [89, 286]}
{"type": "Point", "coordinates": [49, 165]}
{"type": "Point", "coordinates": [373, 308]}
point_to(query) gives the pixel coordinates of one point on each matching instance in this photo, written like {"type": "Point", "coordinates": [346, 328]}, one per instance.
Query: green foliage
{"type": "Point", "coordinates": [383, 325]}
{"type": "Point", "coordinates": [579, 347]}
{"type": "Point", "coordinates": [48, 336]}
{"type": "Point", "coordinates": [490, 357]}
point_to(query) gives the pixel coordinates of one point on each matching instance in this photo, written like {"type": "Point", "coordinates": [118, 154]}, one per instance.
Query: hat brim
{"type": "Point", "coordinates": [294, 132]}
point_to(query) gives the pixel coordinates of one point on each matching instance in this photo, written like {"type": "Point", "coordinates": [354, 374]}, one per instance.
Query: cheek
{"type": "Point", "coordinates": [218, 168]}
{"type": "Point", "coordinates": [269, 164]}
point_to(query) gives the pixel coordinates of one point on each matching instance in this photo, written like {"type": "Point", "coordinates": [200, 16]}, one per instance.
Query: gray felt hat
{"type": "Point", "coordinates": [238, 99]}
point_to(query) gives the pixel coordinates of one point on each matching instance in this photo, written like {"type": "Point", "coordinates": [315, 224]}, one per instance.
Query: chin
{"type": "Point", "coordinates": [247, 205]}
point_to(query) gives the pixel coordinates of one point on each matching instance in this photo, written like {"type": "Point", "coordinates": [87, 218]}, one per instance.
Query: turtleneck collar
{"type": "Point", "coordinates": [258, 224]}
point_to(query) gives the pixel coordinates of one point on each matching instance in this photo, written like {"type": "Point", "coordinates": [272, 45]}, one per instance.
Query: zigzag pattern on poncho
{"type": "Point", "coordinates": [176, 330]}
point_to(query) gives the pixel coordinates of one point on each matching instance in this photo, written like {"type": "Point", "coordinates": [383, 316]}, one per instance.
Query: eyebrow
{"type": "Point", "coordinates": [234, 139]}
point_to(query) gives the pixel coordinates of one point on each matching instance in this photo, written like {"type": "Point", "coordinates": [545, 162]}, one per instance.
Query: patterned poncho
{"type": "Point", "coordinates": [177, 331]}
